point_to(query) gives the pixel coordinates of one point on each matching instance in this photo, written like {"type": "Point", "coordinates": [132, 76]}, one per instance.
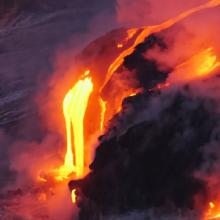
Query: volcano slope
{"type": "Point", "coordinates": [154, 163]}
{"type": "Point", "coordinates": [160, 152]}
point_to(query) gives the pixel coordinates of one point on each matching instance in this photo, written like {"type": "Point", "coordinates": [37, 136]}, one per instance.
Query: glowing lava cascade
{"type": "Point", "coordinates": [74, 108]}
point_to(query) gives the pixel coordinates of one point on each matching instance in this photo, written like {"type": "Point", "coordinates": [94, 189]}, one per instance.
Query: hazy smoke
{"type": "Point", "coordinates": [178, 127]}
{"type": "Point", "coordinates": [148, 12]}
{"type": "Point", "coordinates": [39, 40]}
{"type": "Point", "coordinates": [26, 143]}
{"type": "Point", "coordinates": [186, 39]}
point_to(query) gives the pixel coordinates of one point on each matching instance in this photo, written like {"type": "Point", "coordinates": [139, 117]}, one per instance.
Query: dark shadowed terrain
{"type": "Point", "coordinates": [31, 33]}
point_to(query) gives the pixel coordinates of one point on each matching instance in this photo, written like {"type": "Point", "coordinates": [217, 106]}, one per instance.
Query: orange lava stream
{"type": "Point", "coordinates": [74, 108]}
{"type": "Point", "coordinates": [103, 110]}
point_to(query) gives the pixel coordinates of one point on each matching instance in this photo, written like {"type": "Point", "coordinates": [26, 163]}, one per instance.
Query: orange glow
{"type": "Point", "coordinates": [200, 65]}
{"type": "Point", "coordinates": [119, 45]}
{"type": "Point", "coordinates": [213, 211]}
{"type": "Point", "coordinates": [212, 205]}
{"type": "Point", "coordinates": [73, 196]}
{"type": "Point", "coordinates": [131, 32]}
{"type": "Point", "coordinates": [41, 179]}
{"type": "Point", "coordinates": [103, 110]}
{"type": "Point", "coordinates": [87, 72]}
{"type": "Point", "coordinates": [152, 29]}
{"type": "Point", "coordinates": [160, 86]}
{"type": "Point", "coordinates": [127, 94]}
{"type": "Point", "coordinates": [76, 100]}
{"type": "Point", "coordinates": [163, 85]}
{"type": "Point", "coordinates": [133, 94]}
{"type": "Point", "coordinates": [209, 64]}
{"type": "Point", "coordinates": [74, 107]}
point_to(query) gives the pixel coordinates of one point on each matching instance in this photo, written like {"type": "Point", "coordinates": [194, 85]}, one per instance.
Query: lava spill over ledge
{"type": "Point", "coordinates": [157, 118]}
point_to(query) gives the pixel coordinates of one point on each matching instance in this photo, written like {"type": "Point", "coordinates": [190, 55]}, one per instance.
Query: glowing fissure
{"type": "Point", "coordinates": [74, 108]}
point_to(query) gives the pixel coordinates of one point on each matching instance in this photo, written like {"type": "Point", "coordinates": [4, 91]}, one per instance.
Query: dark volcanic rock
{"type": "Point", "coordinates": [136, 67]}
{"type": "Point", "coordinates": [147, 71]}
{"type": "Point", "coordinates": [153, 164]}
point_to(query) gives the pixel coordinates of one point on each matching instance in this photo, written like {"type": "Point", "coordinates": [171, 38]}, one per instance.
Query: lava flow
{"type": "Point", "coordinates": [213, 212]}
{"type": "Point", "coordinates": [103, 110]}
{"type": "Point", "coordinates": [200, 65]}
{"type": "Point", "coordinates": [146, 31]}
{"type": "Point", "coordinates": [76, 100]}
{"type": "Point", "coordinates": [74, 108]}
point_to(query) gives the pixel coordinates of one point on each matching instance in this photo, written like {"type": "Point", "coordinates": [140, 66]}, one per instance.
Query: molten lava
{"type": "Point", "coordinates": [213, 212]}
{"type": "Point", "coordinates": [120, 45]}
{"type": "Point", "coordinates": [76, 100]}
{"type": "Point", "coordinates": [103, 110]}
{"type": "Point", "coordinates": [73, 196]}
{"type": "Point", "coordinates": [74, 108]}
{"type": "Point", "coordinates": [200, 65]}
{"type": "Point", "coordinates": [209, 64]}
{"type": "Point", "coordinates": [146, 31]}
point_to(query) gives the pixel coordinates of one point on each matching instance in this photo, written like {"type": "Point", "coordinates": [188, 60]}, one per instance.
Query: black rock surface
{"type": "Point", "coordinates": [152, 165]}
